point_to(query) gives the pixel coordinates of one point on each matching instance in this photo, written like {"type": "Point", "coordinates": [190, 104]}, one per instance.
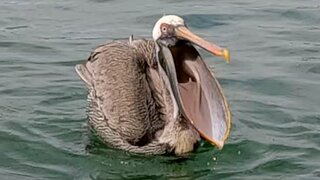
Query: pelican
{"type": "Point", "coordinates": [156, 96]}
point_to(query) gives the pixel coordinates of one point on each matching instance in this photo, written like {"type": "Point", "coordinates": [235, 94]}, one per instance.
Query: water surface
{"type": "Point", "coordinates": [273, 86]}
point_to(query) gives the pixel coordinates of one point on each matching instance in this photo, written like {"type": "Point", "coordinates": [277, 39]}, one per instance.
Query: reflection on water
{"type": "Point", "coordinates": [272, 85]}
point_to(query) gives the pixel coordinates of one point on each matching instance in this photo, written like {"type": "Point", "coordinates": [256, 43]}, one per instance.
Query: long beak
{"type": "Point", "coordinates": [184, 33]}
{"type": "Point", "coordinates": [172, 75]}
{"type": "Point", "coordinates": [201, 101]}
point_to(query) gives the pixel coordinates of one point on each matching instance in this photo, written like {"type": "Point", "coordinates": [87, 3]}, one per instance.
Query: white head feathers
{"type": "Point", "coordinates": [169, 19]}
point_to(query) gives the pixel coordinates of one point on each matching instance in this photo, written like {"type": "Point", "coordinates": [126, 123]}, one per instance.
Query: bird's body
{"type": "Point", "coordinates": [127, 108]}
{"type": "Point", "coordinates": [155, 96]}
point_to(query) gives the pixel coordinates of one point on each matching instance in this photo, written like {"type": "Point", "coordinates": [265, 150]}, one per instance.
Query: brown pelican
{"type": "Point", "coordinates": [156, 96]}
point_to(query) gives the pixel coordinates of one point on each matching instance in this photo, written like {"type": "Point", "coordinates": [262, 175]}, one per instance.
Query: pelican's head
{"type": "Point", "coordinates": [163, 31]}
{"type": "Point", "coordinates": [169, 29]}
{"type": "Point", "coordinates": [195, 90]}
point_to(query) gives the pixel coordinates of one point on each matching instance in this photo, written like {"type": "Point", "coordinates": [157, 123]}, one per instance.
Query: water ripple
{"type": "Point", "coordinates": [272, 85]}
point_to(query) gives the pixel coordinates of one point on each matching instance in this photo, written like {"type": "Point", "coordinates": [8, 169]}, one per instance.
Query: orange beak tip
{"type": "Point", "coordinates": [226, 55]}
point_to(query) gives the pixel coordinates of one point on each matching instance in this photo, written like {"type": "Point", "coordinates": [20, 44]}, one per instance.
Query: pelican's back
{"type": "Point", "coordinates": [121, 108]}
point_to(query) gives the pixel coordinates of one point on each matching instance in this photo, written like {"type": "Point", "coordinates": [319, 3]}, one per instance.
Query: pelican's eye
{"type": "Point", "coordinates": [164, 28]}
{"type": "Point", "coordinates": [167, 30]}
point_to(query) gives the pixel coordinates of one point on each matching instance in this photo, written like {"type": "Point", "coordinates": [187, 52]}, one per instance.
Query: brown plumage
{"type": "Point", "coordinates": [155, 96]}
{"type": "Point", "coordinates": [128, 108]}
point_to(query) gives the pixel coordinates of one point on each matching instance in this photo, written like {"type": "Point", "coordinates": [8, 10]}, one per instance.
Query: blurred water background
{"type": "Point", "coordinates": [273, 85]}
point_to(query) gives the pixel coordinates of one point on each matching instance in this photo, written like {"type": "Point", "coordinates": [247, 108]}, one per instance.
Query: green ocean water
{"type": "Point", "coordinates": [272, 84]}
